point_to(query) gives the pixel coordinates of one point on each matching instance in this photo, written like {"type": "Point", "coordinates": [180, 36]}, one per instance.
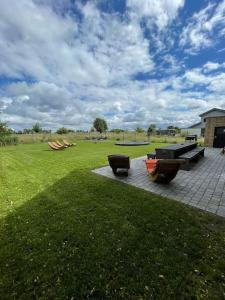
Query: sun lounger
{"type": "Point", "coordinates": [61, 145]}
{"type": "Point", "coordinates": [66, 143]}
{"type": "Point", "coordinates": [56, 145]}
{"type": "Point", "coordinates": [163, 170]}
{"type": "Point", "coordinates": [53, 146]}
{"type": "Point", "coordinates": [121, 162]}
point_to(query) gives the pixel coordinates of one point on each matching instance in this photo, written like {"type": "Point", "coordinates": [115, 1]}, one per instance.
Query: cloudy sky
{"type": "Point", "coordinates": [132, 62]}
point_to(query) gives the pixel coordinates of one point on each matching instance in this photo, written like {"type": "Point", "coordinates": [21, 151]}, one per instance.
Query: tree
{"type": "Point", "coordinates": [100, 125]}
{"type": "Point", "coordinates": [46, 131]}
{"type": "Point", "coordinates": [4, 129]}
{"type": "Point", "coordinates": [116, 130]}
{"type": "Point", "coordinates": [177, 129]}
{"type": "Point", "coordinates": [151, 129]}
{"type": "Point", "coordinates": [36, 128]}
{"type": "Point", "coordinates": [62, 130]}
{"type": "Point", "coordinates": [27, 130]}
{"type": "Point", "coordinates": [139, 130]}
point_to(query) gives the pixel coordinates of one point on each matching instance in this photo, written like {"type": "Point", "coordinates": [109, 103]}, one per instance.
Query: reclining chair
{"type": "Point", "coordinates": [163, 170]}
{"type": "Point", "coordinates": [121, 162]}
{"type": "Point", "coordinates": [54, 146]}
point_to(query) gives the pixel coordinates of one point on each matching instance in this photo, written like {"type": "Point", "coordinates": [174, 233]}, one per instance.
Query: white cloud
{"type": "Point", "coordinates": [132, 104]}
{"type": "Point", "coordinates": [198, 33]}
{"type": "Point", "coordinates": [57, 49]}
{"type": "Point", "coordinates": [156, 12]}
{"type": "Point", "coordinates": [72, 70]}
{"type": "Point", "coordinates": [212, 66]}
{"type": "Point", "coordinates": [195, 76]}
{"type": "Point", "coordinates": [4, 103]}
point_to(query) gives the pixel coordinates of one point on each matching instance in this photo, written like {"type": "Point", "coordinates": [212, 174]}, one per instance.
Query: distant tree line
{"type": "Point", "coordinates": [99, 125]}
{"type": "Point", "coordinates": [36, 128]}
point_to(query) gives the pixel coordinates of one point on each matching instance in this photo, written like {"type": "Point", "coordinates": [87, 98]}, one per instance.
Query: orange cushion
{"type": "Point", "coordinates": [150, 164]}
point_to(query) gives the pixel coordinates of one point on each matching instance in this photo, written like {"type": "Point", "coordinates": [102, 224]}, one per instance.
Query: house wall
{"type": "Point", "coordinates": [211, 114]}
{"type": "Point", "coordinates": [211, 123]}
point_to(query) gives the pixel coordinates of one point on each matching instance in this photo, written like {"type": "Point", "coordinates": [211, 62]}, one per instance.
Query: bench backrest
{"type": "Point", "coordinates": [167, 166]}
{"type": "Point", "coordinates": [119, 161]}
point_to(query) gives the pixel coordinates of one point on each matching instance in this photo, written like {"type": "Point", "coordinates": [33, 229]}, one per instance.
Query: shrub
{"type": "Point", "coordinates": [8, 140]}
{"type": "Point", "coordinates": [116, 130]}
{"type": "Point", "coordinates": [37, 128]}
{"type": "Point", "coordinates": [62, 130]}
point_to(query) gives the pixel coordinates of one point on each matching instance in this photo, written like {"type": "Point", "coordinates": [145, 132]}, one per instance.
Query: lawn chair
{"type": "Point", "coordinates": [163, 170]}
{"type": "Point", "coordinates": [121, 162]}
{"type": "Point", "coordinates": [66, 143]}
{"type": "Point", "coordinates": [61, 145]}
{"type": "Point", "coordinates": [53, 146]}
{"type": "Point", "coordinates": [56, 145]}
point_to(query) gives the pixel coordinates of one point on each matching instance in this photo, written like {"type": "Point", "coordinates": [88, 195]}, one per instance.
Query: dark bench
{"type": "Point", "coordinates": [192, 156]}
{"type": "Point", "coordinates": [200, 150]}
{"type": "Point", "coordinates": [191, 137]}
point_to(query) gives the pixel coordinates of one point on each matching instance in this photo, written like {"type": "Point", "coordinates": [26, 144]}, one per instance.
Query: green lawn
{"type": "Point", "coordinates": [66, 233]}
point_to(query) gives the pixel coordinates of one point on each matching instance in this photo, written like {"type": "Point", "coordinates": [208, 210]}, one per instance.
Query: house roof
{"type": "Point", "coordinates": [194, 125]}
{"type": "Point", "coordinates": [213, 109]}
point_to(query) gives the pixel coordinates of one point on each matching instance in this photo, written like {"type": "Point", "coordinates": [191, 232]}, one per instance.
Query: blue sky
{"type": "Point", "coordinates": [134, 62]}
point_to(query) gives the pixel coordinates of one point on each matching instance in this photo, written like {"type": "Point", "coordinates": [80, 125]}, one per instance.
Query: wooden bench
{"type": "Point", "coordinates": [192, 156]}
{"type": "Point", "coordinates": [200, 150]}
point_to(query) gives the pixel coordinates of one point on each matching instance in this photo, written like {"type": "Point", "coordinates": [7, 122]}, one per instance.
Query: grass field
{"type": "Point", "coordinates": [66, 233]}
{"type": "Point", "coordinates": [127, 136]}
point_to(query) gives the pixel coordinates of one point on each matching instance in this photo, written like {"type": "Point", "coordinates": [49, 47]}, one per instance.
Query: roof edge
{"type": "Point", "coordinates": [213, 109]}
{"type": "Point", "coordinates": [194, 125]}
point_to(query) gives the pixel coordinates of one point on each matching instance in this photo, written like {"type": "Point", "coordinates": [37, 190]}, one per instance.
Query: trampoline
{"type": "Point", "coordinates": [132, 143]}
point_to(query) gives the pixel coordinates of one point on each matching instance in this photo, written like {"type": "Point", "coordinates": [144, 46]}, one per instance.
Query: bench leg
{"type": "Point", "coordinates": [122, 172]}
{"type": "Point", "coordinates": [115, 171]}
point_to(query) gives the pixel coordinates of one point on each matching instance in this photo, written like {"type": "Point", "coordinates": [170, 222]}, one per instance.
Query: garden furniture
{"type": "Point", "coordinates": [66, 143]}
{"type": "Point", "coordinates": [121, 162]}
{"type": "Point", "coordinates": [54, 146]}
{"type": "Point", "coordinates": [163, 170]}
{"type": "Point", "coordinates": [187, 151]}
{"type": "Point", "coordinates": [191, 137]}
{"type": "Point", "coordinates": [61, 145]}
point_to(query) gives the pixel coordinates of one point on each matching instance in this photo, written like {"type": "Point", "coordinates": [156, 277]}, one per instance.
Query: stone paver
{"type": "Point", "coordinates": [202, 187]}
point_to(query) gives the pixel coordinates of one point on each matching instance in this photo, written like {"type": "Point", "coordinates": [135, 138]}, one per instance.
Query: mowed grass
{"type": "Point", "coordinates": [66, 233]}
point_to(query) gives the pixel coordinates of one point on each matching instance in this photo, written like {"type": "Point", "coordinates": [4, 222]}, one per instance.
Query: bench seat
{"type": "Point", "coordinates": [192, 155]}
{"type": "Point", "coordinates": [199, 149]}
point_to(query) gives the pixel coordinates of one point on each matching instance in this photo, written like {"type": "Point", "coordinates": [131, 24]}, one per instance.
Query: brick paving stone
{"type": "Point", "coordinates": [202, 187]}
{"type": "Point", "coordinates": [221, 211]}
{"type": "Point", "coordinates": [212, 209]}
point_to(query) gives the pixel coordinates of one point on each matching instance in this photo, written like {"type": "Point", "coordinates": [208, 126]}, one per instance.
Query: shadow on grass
{"type": "Point", "coordinates": [91, 237]}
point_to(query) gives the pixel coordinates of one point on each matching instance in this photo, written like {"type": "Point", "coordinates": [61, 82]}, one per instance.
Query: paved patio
{"type": "Point", "coordinates": [202, 187]}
